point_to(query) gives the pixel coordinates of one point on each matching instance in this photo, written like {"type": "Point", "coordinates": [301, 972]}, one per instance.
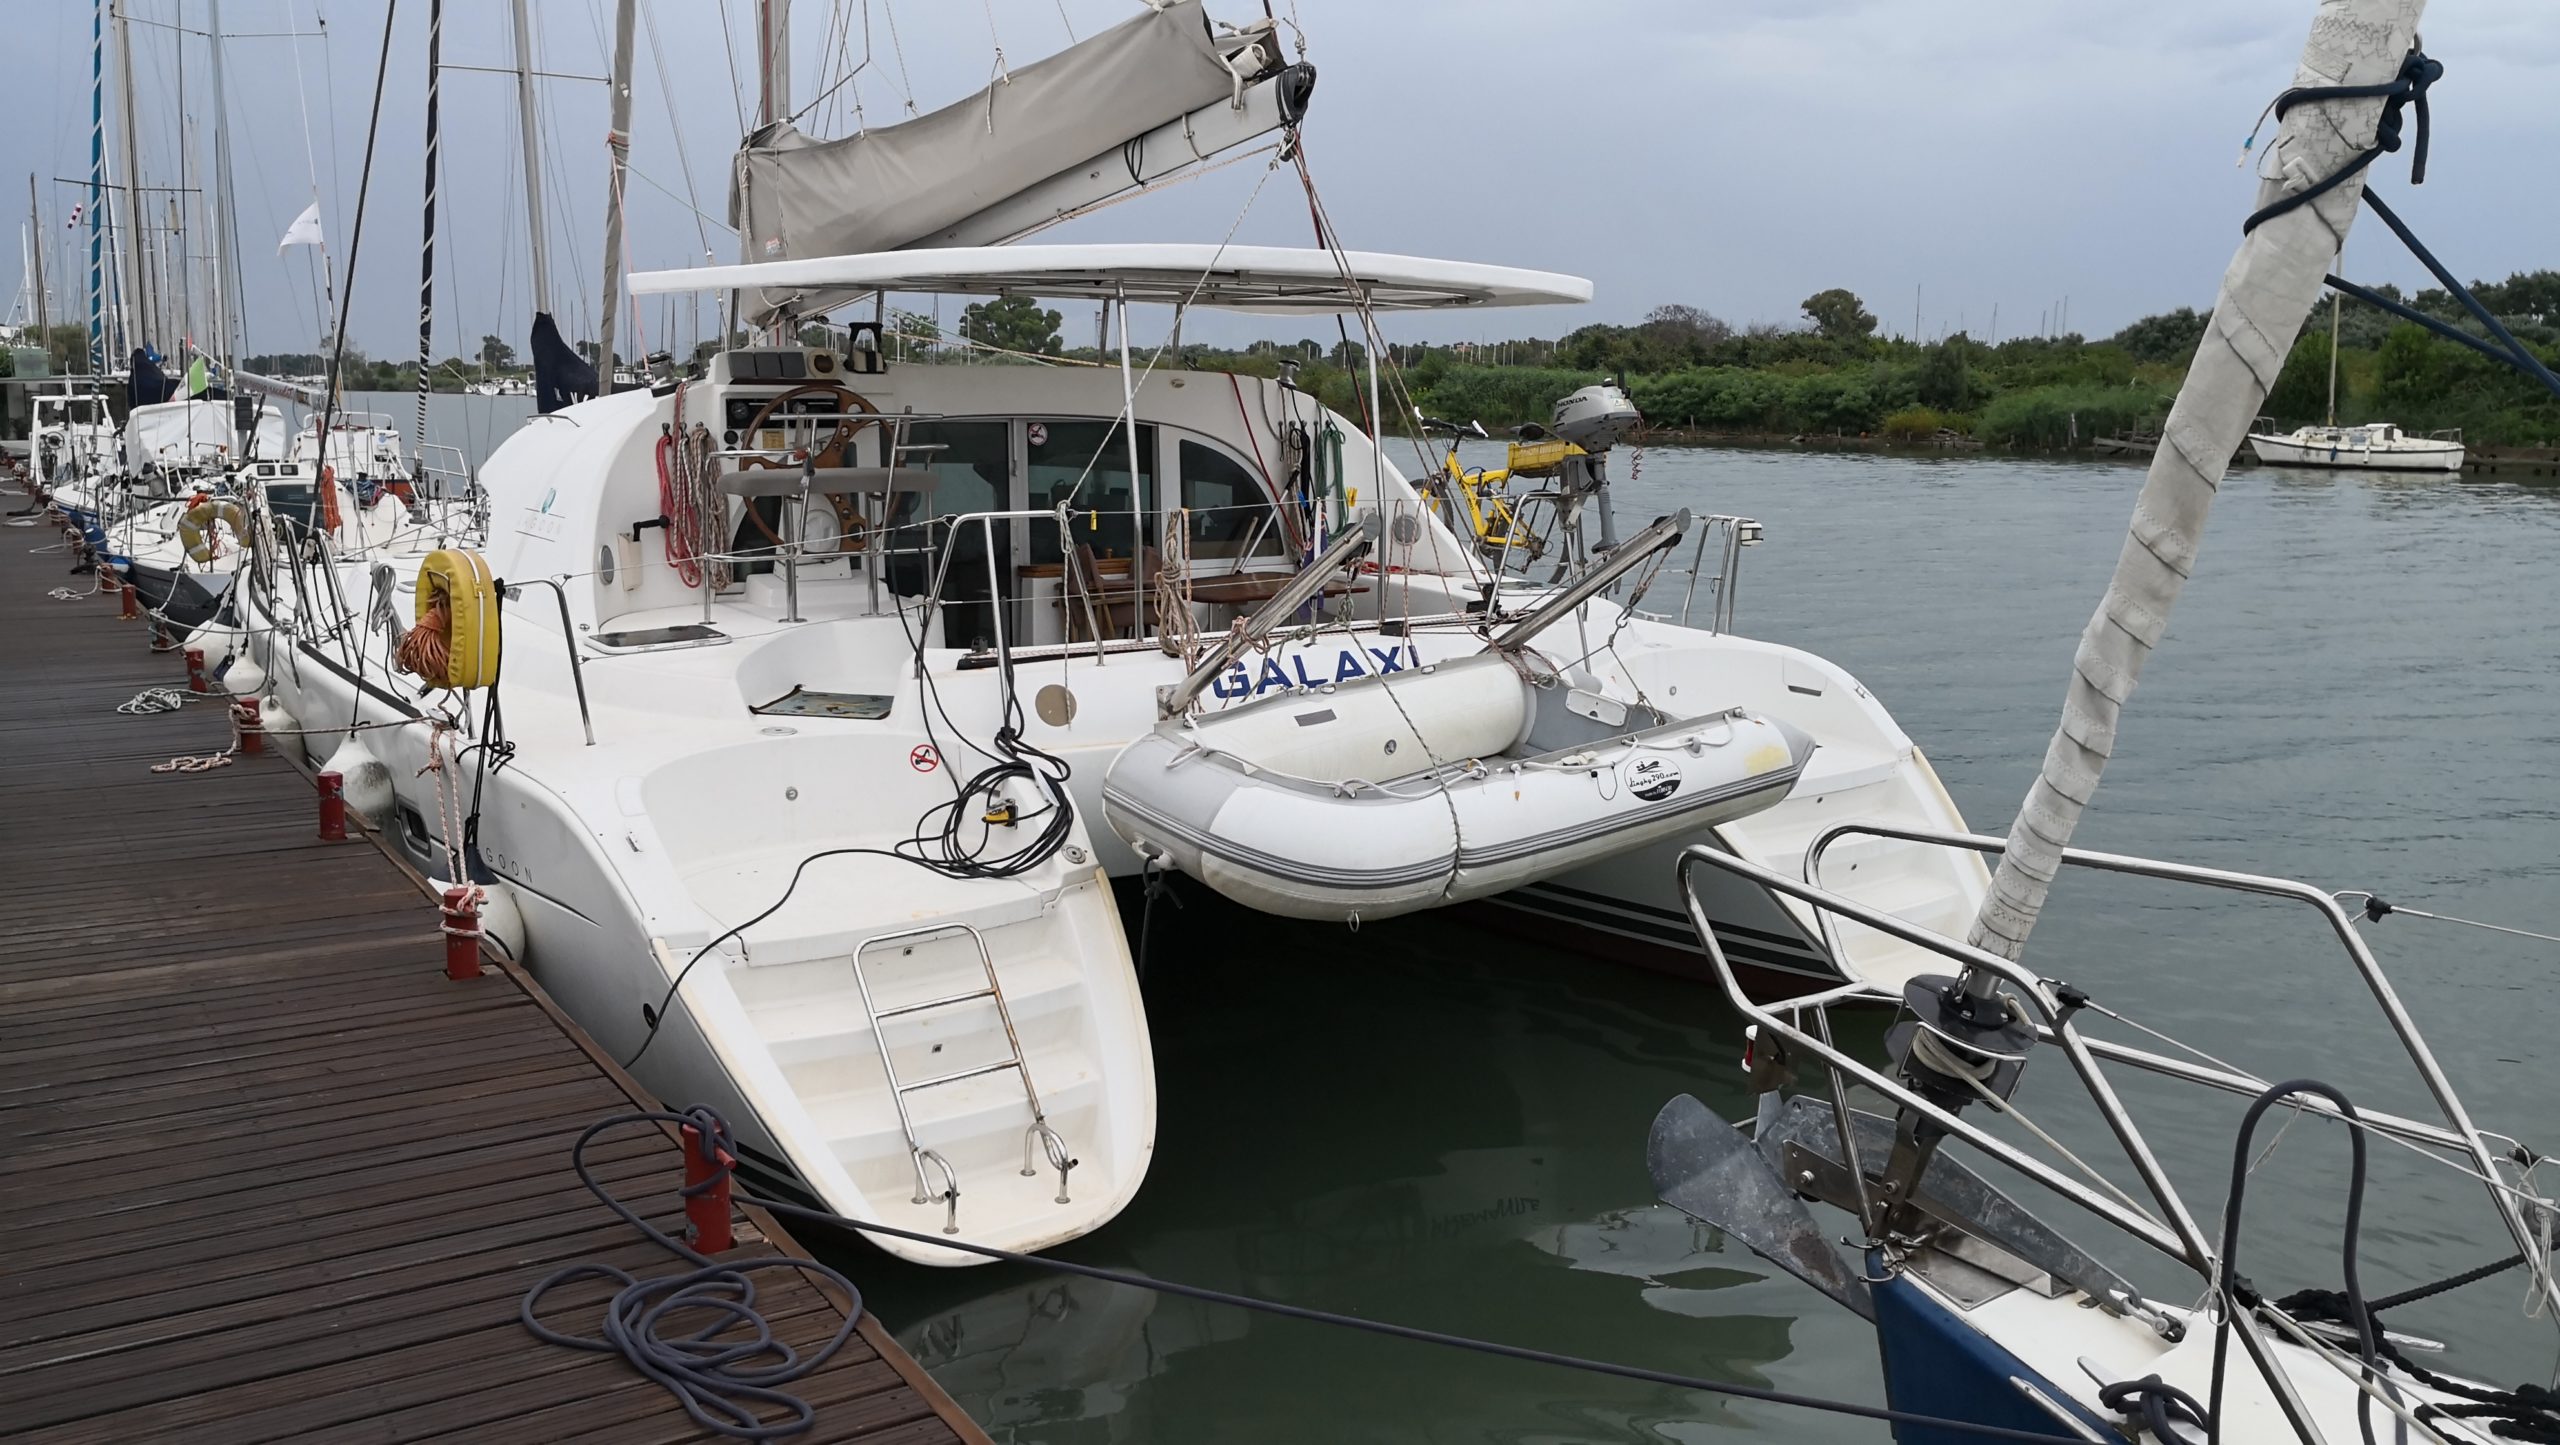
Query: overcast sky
{"type": "Point", "coordinates": [1731, 154]}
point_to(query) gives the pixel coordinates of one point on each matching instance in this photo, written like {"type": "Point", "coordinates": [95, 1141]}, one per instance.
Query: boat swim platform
{"type": "Point", "coordinates": [266, 1172]}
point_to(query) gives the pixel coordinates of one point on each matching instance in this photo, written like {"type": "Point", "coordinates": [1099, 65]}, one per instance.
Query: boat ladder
{"type": "Point", "coordinates": [1040, 1134]}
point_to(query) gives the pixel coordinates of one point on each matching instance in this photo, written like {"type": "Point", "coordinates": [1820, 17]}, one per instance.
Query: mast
{"type": "Point", "coordinates": [618, 142]}
{"type": "Point", "coordinates": [98, 189]}
{"type": "Point", "coordinates": [2334, 301]}
{"type": "Point", "coordinates": [2266, 296]}
{"type": "Point", "coordinates": [773, 103]}
{"type": "Point", "coordinates": [427, 235]}
{"type": "Point", "coordinates": [35, 253]}
{"type": "Point", "coordinates": [532, 161]}
{"type": "Point", "coordinates": [137, 295]}
{"type": "Point", "coordinates": [773, 63]}
{"type": "Point", "coordinates": [229, 331]}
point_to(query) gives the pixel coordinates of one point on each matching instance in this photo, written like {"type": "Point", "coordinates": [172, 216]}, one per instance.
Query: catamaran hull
{"type": "Point", "coordinates": [595, 940]}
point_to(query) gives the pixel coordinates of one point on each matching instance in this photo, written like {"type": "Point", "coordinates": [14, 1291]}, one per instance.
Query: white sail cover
{"type": "Point", "coordinates": [2267, 292]}
{"type": "Point", "coordinates": [176, 433]}
{"type": "Point", "coordinates": [792, 197]}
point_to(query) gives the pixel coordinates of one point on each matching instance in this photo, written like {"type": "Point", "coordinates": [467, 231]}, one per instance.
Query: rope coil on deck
{"type": "Point", "coordinates": [721, 1379]}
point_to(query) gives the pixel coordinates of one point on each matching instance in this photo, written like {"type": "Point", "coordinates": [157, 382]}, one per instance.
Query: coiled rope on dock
{"type": "Point", "coordinates": [721, 1379]}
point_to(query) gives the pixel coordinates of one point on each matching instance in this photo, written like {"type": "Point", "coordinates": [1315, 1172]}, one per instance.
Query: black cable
{"type": "Point", "coordinates": [936, 844]}
{"type": "Point", "coordinates": [1422, 1336]}
{"type": "Point", "coordinates": [718, 1382]}
{"type": "Point", "coordinates": [2233, 1288]}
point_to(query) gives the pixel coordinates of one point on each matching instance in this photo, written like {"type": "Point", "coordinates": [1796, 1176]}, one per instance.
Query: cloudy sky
{"type": "Point", "coordinates": [1732, 154]}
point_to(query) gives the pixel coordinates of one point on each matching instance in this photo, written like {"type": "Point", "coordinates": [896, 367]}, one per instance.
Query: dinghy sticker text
{"type": "Point", "coordinates": [1652, 779]}
{"type": "Point", "coordinates": [1241, 680]}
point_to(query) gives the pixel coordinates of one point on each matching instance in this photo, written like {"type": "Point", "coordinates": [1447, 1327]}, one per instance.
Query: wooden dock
{"type": "Point", "coordinates": [268, 1175]}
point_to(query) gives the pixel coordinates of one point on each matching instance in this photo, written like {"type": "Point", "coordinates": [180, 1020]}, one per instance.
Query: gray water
{"type": "Point", "coordinates": [1436, 1123]}
{"type": "Point", "coordinates": [472, 426]}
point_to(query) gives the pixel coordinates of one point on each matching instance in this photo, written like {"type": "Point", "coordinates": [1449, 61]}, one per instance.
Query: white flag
{"type": "Point", "coordinates": [305, 230]}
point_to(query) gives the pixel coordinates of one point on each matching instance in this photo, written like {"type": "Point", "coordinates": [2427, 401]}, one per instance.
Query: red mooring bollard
{"type": "Point", "coordinates": [244, 726]}
{"type": "Point", "coordinates": [708, 1211]}
{"type": "Point", "coordinates": [196, 681]}
{"type": "Point", "coordinates": [132, 603]}
{"type": "Point", "coordinates": [333, 807]}
{"type": "Point", "coordinates": [461, 932]}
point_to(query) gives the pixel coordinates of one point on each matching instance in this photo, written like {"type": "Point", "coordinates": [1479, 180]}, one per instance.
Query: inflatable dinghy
{"type": "Point", "coordinates": [1399, 792]}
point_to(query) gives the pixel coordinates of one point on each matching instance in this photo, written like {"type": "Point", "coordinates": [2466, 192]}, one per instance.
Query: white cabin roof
{"type": "Point", "coordinates": [1232, 278]}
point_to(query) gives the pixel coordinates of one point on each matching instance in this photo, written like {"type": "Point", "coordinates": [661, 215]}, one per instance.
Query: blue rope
{"type": "Point", "coordinates": [2408, 87]}
{"type": "Point", "coordinates": [2511, 351]}
{"type": "Point", "coordinates": [2401, 92]}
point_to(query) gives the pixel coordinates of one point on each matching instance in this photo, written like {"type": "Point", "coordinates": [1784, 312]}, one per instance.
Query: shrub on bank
{"type": "Point", "coordinates": [1913, 424]}
{"type": "Point", "coordinates": [2057, 417]}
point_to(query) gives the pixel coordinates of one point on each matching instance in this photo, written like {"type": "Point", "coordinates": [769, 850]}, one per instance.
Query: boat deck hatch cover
{"type": "Point", "coordinates": [807, 702]}
{"type": "Point", "coordinates": [657, 636]}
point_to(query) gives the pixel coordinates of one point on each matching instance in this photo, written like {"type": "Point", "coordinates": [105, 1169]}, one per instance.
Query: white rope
{"type": "Point", "coordinates": [154, 700]}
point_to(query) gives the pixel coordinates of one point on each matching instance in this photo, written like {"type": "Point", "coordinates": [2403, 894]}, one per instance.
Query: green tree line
{"type": "Point", "coordinates": [1831, 375]}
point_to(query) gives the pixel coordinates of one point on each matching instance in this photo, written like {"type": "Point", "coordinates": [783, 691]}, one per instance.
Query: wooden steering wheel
{"type": "Point", "coordinates": [835, 450]}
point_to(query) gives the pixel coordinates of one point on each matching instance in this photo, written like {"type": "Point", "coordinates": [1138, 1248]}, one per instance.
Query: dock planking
{"type": "Point", "coordinates": [269, 1174]}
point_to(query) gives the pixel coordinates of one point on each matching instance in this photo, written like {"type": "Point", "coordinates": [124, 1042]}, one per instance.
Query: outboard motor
{"type": "Point", "coordinates": [1595, 418]}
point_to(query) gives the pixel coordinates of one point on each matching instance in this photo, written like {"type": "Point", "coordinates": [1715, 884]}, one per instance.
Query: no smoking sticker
{"type": "Point", "coordinates": [1039, 433]}
{"type": "Point", "coordinates": [923, 758]}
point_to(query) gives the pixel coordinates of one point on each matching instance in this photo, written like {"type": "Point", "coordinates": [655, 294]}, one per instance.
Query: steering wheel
{"type": "Point", "coordinates": [832, 451]}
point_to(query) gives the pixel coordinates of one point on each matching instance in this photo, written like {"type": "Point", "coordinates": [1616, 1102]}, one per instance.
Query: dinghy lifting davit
{"type": "Point", "coordinates": [1393, 793]}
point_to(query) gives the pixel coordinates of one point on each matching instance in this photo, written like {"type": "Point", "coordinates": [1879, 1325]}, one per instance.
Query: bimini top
{"type": "Point", "coordinates": [1230, 278]}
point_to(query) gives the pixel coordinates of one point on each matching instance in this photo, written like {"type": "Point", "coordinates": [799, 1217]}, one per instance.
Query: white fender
{"type": "Point", "coordinates": [217, 640]}
{"type": "Point", "coordinates": [365, 778]}
{"type": "Point", "coordinates": [283, 730]}
{"type": "Point", "coordinates": [245, 678]}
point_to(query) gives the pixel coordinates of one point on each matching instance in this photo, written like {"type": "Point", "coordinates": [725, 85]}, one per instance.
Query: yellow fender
{"type": "Point", "coordinates": [461, 580]}
{"type": "Point", "coordinates": [193, 522]}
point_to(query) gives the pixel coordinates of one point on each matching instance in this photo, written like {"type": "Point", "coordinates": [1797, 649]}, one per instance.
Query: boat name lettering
{"type": "Point", "coordinates": [1349, 662]}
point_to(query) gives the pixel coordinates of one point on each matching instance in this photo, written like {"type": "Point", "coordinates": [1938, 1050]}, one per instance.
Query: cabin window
{"type": "Point", "coordinates": [1231, 514]}
{"type": "Point", "coordinates": [1085, 464]}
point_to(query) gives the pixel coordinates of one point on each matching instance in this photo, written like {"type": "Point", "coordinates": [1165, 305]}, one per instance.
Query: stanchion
{"type": "Point", "coordinates": [244, 726]}
{"type": "Point", "coordinates": [196, 681]}
{"type": "Point", "coordinates": [132, 603]}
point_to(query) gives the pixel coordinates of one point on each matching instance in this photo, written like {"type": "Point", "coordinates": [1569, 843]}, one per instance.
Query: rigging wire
{"type": "Point", "coordinates": [729, 47]}
{"type": "Point", "coordinates": [906, 84]}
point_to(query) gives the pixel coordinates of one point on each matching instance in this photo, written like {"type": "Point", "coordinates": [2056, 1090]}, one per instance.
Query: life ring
{"type": "Point", "coordinates": [456, 640]}
{"type": "Point", "coordinates": [201, 544]}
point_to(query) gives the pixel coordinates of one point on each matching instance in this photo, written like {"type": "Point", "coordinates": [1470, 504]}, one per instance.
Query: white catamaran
{"type": "Point", "coordinates": [777, 708]}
